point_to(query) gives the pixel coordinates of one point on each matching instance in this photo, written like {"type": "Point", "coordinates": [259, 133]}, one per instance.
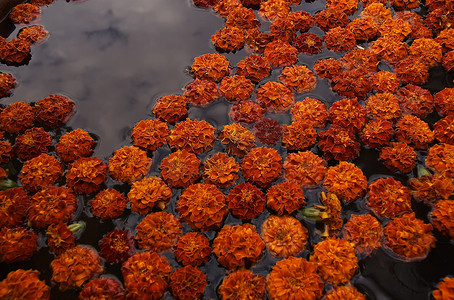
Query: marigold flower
{"type": "Point", "coordinates": [378, 11]}
{"type": "Point", "coordinates": [243, 18]}
{"type": "Point", "coordinates": [257, 40]}
{"type": "Point", "coordinates": [246, 111]}
{"type": "Point", "coordinates": [33, 34]}
{"type": "Point", "coordinates": [348, 7]}
{"type": "Point", "coordinates": [54, 110]}
{"type": "Point", "coordinates": [389, 49]}
{"type": "Point", "coordinates": [273, 10]}
{"type": "Point", "coordinates": [377, 133]}
{"type": "Point", "coordinates": [24, 284]}
{"type": "Point", "coordinates": [346, 180]}
{"type": "Point", "coordinates": [243, 284]}
{"type": "Point", "coordinates": [268, 131]}
{"type": "Point", "coordinates": [41, 2]}
{"type": "Point", "coordinates": [408, 238]}
{"type": "Point", "coordinates": [414, 132]}
{"type": "Point", "coordinates": [7, 84]}
{"type": "Point", "coordinates": [439, 19]}
{"type": "Point", "coordinates": [148, 193]}
{"type": "Point", "coordinates": [32, 143]}
{"type": "Point", "coordinates": [60, 238]}
{"type": "Point", "coordinates": [398, 157]}
{"type": "Point", "coordinates": [86, 175]}
{"type": "Point", "coordinates": [446, 39]}
{"type": "Point", "coordinates": [412, 70]}
{"type": "Point", "coordinates": [15, 51]}
{"type": "Point", "coordinates": [442, 217]}
{"type": "Point", "coordinates": [39, 172]}
{"type": "Point", "coordinates": [171, 108]}
{"type": "Point", "coordinates": [237, 139]}
{"type": "Point", "coordinates": [108, 204]}
{"type": "Point", "coordinates": [444, 130]}
{"type": "Point", "coordinates": [146, 274]}
{"type": "Point", "coordinates": [210, 66]}
{"type": "Point", "coordinates": [338, 143]}
{"type": "Point", "coordinates": [364, 232]}
{"type": "Point", "coordinates": [328, 68]}
{"type": "Point", "coordinates": [361, 60]}
{"type": "Point", "coordinates": [385, 82]}
{"type": "Point", "coordinates": [444, 102]}
{"type": "Point", "coordinates": [104, 287]}
{"type": "Point", "coordinates": [440, 159]}
{"type": "Point", "coordinates": [299, 135]}
{"type": "Point", "coordinates": [188, 283]}
{"type": "Point", "coordinates": [129, 164]}
{"type": "Point", "coordinates": [305, 168]}
{"type": "Point", "coordinates": [192, 249]}
{"type": "Point", "coordinates": [448, 61]}
{"type": "Point", "coordinates": [352, 84]}
{"type": "Point", "coordinates": [16, 117]}
{"type": "Point", "coordinates": [14, 203]}
{"type": "Point", "coordinates": [75, 144]}
{"type": "Point", "coordinates": [285, 197]}
{"type": "Point", "coordinates": [415, 100]}
{"type": "Point", "coordinates": [203, 206]}
{"type": "Point", "coordinates": [52, 205]}
{"type": "Point", "coordinates": [303, 21]}
{"type": "Point", "coordinates": [6, 151]}
{"type": "Point", "coordinates": [383, 106]}
{"type": "Point", "coordinates": [180, 169]}
{"type": "Point", "coordinates": [344, 292]}
{"type": "Point", "coordinates": [254, 67]}
{"type": "Point", "coordinates": [220, 170]}
{"type": "Point", "coordinates": [339, 39]}
{"type": "Point", "coordinates": [236, 88]}
{"type": "Point", "coordinates": [17, 244]}
{"type": "Point", "coordinates": [330, 18]}
{"type": "Point", "coordinates": [275, 96]}
{"type": "Point", "coordinates": [388, 198]}
{"type": "Point", "coordinates": [444, 289]}
{"type": "Point", "coordinates": [224, 7]}
{"type": "Point", "coordinates": [262, 166]}
{"type": "Point", "coordinates": [280, 53]}
{"type": "Point", "coordinates": [238, 246]}
{"type": "Point", "coordinates": [192, 135]}
{"type": "Point", "coordinates": [150, 134]}
{"type": "Point", "coordinates": [427, 50]}
{"type": "Point", "coordinates": [246, 201]}
{"type": "Point", "coordinates": [310, 110]}
{"type": "Point", "coordinates": [348, 114]}
{"type": "Point", "coordinates": [298, 78]}
{"type": "Point", "coordinates": [24, 13]}
{"type": "Point", "coordinates": [294, 277]}
{"type": "Point", "coordinates": [117, 246]}
{"type": "Point", "coordinates": [201, 92]}
{"type": "Point", "coordinates": [309, 43]}
{"type": "Point", "coordinates": [396, 28]}
{"type": "Point", "coordinates": [363, 29]}
{"type": "Point", "coordinates": [283, 29]}
{"type": "Point", "coordinates": [228, 39]}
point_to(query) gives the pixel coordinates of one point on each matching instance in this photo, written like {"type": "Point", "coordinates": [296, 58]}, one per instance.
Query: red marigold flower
{"type": "Point", "coordinates": [262, 166]}
{"type": "Point", "coordinates": [348, 114]}
{"type": "Point", "coordinates": [203, 206]}
{"type": "Point", "coordinates": [346, 180]}
{"type": "Point", "coordinates": [294, 277]}
{"type": "Point", "coordinates": [224, 7]}
{"type": "Point", "coordinates": [52, 205]}
{"type": "Point", "coordinates": [188, 283]}
{"type": "Point", "coordinates": [150, 134]}
{"type": "Point", "coordinates": [444, 130]}
{"type": "Point", "coordinates": [444, 289]}
{"type": "Point", "coordinates": [396, 28]}
{"type": "Point", "coordinates": [389, 49]}
{"type": "Point", "coordinates": [440, 159]}
{"type": "Point", "coordinates": [275, 97]}
{"type": "Point", "coordinates": [377, 133]}
{"type": "Point", "coordinates": [280, 53]}
{"type": "Point", "coordinates": [74, 267]}
{"type": "Point", "coordinates": [192, 249]}
{"type": "Point", "coordinates": [256, 41]}
{"type": "Point", "coordinates": [17, 244]}
{"type": "Point", "coordinates": [146, 274]}
{"type": "Point", "coordinates": [192, 135]}
{"type": "Point", "coordinates": [237, 139]}
{"type": "Point", "coordinates": [364, 232]}
{"type": "Point", "coordinates": [32, 143]}
{"type": "Point", "coordinates": [303, 21]}
{"type": "Point", "coordinates": [39, 172]}
{"type": "Point", "coordinates": [246, 201]}
{"type": "Point", "coordinates": [14, 203]}
{"type": "Point", "coordinates": [73, 145]}
{"type": "Point", "coordinates": [16, 117]}
{"type": "Point", "coordinates": [7, 84]}
{"type": "Point", "coordinates": [220, 170]}
{"type": "Point", "coordinates": [309, 43]}
{"type": "Point", "coordinates": [412, 70]}
{"type": "Point", "coordinates": [348, 7]}
{"type": "Point", "coordinates": [60, 238]}
{"type": "Point", "coordinates": [171, 108]}
{"type": "Point", "coordinates": [180, 169]}
{"type": "Point", "coordinates": [298, 78]}
{"type": "Point", "coordinates": [117, 246]}
{"type": "Point", "coordinates": [283, 29]}
{"type": "Point", "coordinates": [361, 60]}
{"type": "Point", "coordinates": [104, 287]}
{"type": "Point", "coordinates": [228, 39]}
{"type": "Point", "coordinates": [243, 18]}
{"type": "Point", "coordinates": [268, 131]}
{"type": "Point", "coordinates": [431, 187]}
{"type": "Point", "coordinates": [24, 284]}
{"type": "Point", "coordinates": [108, 204]}
{"type": "Point", "coordinates": [414, 132]}
{"type": "Point", "coordinates": [210, 66]}
{"type": "Point", "coordinates": [344, 292]}
{"type": "Point", "coordinates": [238, 246]}
{"type": "Point", "coordinates": [254, 67]}
{"type": "Point", "coordinates": [330, 18]}
{"type": "Point", "coordinates": [383, 106]}
{"type": "Point", "coordinates": [148, 193]}
{"type": "Point", "coordinates": [305, 168]}
{"type": "Point", "coordinates": [300, 135]}
{"type": "Point", "coordinates": [129, 164]}
{"type": "Point", "coordinates": [15, 51]}
{"type": "Point", "coordinates": [398, 157]}
{"type": "Point", "coordinates": [444, 102]}
{"type": "Point", "coordinates": [442, 217]}
{"type": "Point", "coordinates": [24, 13]}
{"type": "Point", "coordinates": [339, 39]}
{"type": "Point", "coordinates": [236, 88]}
{"type": "Point", "coordinates": [448, 61]}
{"type": "Point", "coordinates": [363, 29]}
{"type": "Point", "coordinates": [243, 284]}
{"type": "Point", "coordinates": [246, 111]}
{"type": "Point", "coordinates": [328, 68]}
{"type": "Point", "coordinates": [352, 84]}
{"type": "Point", "coordinates": [54, 110]}
{"type": "Point", "coordinates": [415, 100]}
{"type": "Point", "coordinates": [33, 34]}
{"type": "Point", "coordinates": [86, 175]}
{"type": "Point", "coordinates": [310, 110]}
{"type": "Point", "coordinates": [427, 50]}
{"type": "Point", "coordinates": [6, 152]}
{"type": "Point", "coordinates": [273, 10]}
{"type": "Point", "coordinates": [378, 11]}
{"type": "Point", "coordinates": [446, 39]}
{"type": "Point", "coordinates": [338, 143]}
{"type": "Point", "coordinates": [385, 82]}
{"type": "Point", "coordinates": [408, 238]}
{"type": "Point", "coordinates": [285, 197]}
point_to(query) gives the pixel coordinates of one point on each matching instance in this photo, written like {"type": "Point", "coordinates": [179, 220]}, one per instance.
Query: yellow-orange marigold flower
{"type": "Point", "coordinates": [285, 197]}
{"type": "Point", "coordinates": [262, 166]}
{"type": "Point", "coordinates": [103, 287]}
{"type": "Point", "coordinates": [39, 172]}
{"type": "Point", "coordinates": [309, 43]}
{"type": "Point", "coordinates": [224, 7]}
{"type": "Point", "coordinates": [24, 13]}
{"type": "Point", "coordinates": [415, 100]}
{"type": "Point", "coordinates": [75, 144]}
{"type": "Point", "coordinates": [427, 50]}
{"type": "Point", "coordinates": [339, 39]}
{"type": "Point", "coordinates": [129, 164]}
{"type": "Point", "coordinates": [188, 283]}
{"type": "Point", "coordinates": [14, 203]}
{"type": "Point", "coordinates": [220, 170]}
{"type": "Point", "coordinates": [211, 66]}
{"type": "Point", "coordinates": [362, 60]}
{"type": "Point", "coordinates": [243, 284]}
{"type": "Point", "coordinates": [414, 132]}
{"type": "Point", "coordinates": [330, 18]}
{"type": "Point", "coordinates": [192, 135]}
{"type": "Point", "coordinates": [280, 53]}
{"type": "Point", "coordinates": [388, 198]}
{"type": "Point", "coordinates": [444, 289]}
{"type": "Point", "coordinates": [398, 157]}
{"type": "Point", "coordinates": [442, 217]}
{"type": "Point", "coordinates": [16, 117]}
{"type": "Point", "coordinates": [363, 29]}
{"type": "Point", "coordinates": [396, 28]}
{"type": "Point", "coordinates": [237, 139]}
{"type": "Point", "coordinates": [86, 175]}
{"type": "Point", "coordinates": [180, 169]}
{"type": "Point", "coordinates": [148, 193]}
{"type": "Point", "coordinates": [117, 246]}
{"type": "Point", "coordinates": [17, 244]}
{"type": "Point", "coordinates": [256, 42]}
{"type": "Point", "coordinates": [328, 68]}
{"type": "Point", "coordinates": [389, 49]}
{"type": "Point", "coordinates": [298, 78]}
{"type": "Point", "coordinates": [364, 232]}
{"type": "Point", "coordinates": [378, 11]}
{"type": "Point", "coordinates": [412, 70]}
{"type": "Point", "coordinates": [25, 285]}
{"type": "Point", "coordinates": [32, 143]}
{"type": "Point", "coordinates": [171, 108]}
{"type": "Point", "coordinates": [348, 7]}
{"type": "Point", "coordinates": [33, 34]}
{"type": "Point", "coordinates": [192, 249]}
{"type": "Point", "coordinates": [344, 292]}
{"type": "Point", "coordinates": [246, 201]}
{"type": "Point", "coordinates": [242, 17]}
{"type": "Point", "coordinates": [236, 88]}
{"type": "Point", "coordinates": [108, 204]}
{"type": "Point", "coordinates": [150, 134]}
{"type": "Point", "coordinates": [346, 180]}
{"type": "Point", "coordinates": [348, 114]}
{"type": "Point", "coordinates": [15, 52]}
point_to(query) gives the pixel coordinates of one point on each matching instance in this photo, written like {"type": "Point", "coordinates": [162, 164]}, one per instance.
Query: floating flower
{"type": "Point", "coordinates": [388, 198]}
{"type": "Point", "coordinates": [24, 13]}
{"type": "Point", "coordinates": [346, 180]}
{"type": "Point", "coordinates": [444, 130]}
{"type": "Point", "coordinates": [15, 51]}
{"type": "Point", "coordinates": [180, 169]}
{"type": "Point", "coordinates": [363, 29]}
{"type": "Point", "coordinates": [309, 43]}
{"type": "Point", "coordinates": [150, 134]}
{"type": "Point", "coordinates": [203, 206]}
{"type": "Point", "coordinates": [228, 39]}
{"type": "Point", "coordinates": [389, 49]}
{"type": "Point", "coordinates": [280, 53]}
{"type": "Point", "coordinates": [171, 108]}
{"type": "Point", "coordinates": [283, 29]}
{"type": "Point", "coordinates": [39, 172]}
{"type": "Point", "coordinates": [201, 92]}
{"type": "Point", "coordinates": [408, 238]}
{"type": "Point", "coordinates": [330, 18]}
{"type": "Point", "coordinates": [246, 201]}
{"type": "Point", "coordinates": [310, 110]}
{"type": "Point", "coordinates": [256, 41]}
{"type": "Point", "coordinates": [146, 275]}
{"type": "Point", "coordinates": [338, 143]}
{"type": "Point", "coordinates": [414, 132]}
{"type": "Point", "coordinates": [344, 292]}
{"type": "Point", "coordinates": [298, 78]}
{"type": "Point", "coordinates": [52, 205]}
{"type": "Point", "coordinates": [305, 168]}
{"type": "Point", "coordinates": [262, 166]}
{"type": "Point", "coordinates": [348, 7]}
{"type": "Point", "coordinates": [444, 102]}
{"type": "Point", "coordinates": [6, 151]}
{"type": "Point", "coordinates": [117, 246]}
{"type": "Point", "coordinates": [237, 139]}
{"type": "Point", "coordinates": [294, 277]}
{"type": "Point", "coordinates": [7, 84]}
{"type": "Point", "coordinates": [192, 249]}
{"type": "Point", "coordinates": [352, 84]}
{"type": "Point", "coordinates": [17, 244]}
{"type": "Point", "coordinates": [362, 60]}
{"type": "Point", "coordinates": [275, 96]}
{"type": "Point", "coordinates": [238, 246]}
{"type": "Point", "coordinates": [385, 82]}
{"type": "Point", "coordinates": [236, 88]}
{"type": "Point", "coordinates": [243, 18]}
{"type": "Point", "coordinates": [60, 238]}
{"type": "Point", "coordinates": [364, 232]}
{"type": "Point", "coordinates": [415, 100]}
{"type": "Point", "coordinates": [32, 143]}
{"type": "Point", "coordinates": [86, 175]}
{"type": "Point", "coordinates": [444, 289]}
{"type": "Point", "coordinates": [398, 157]}
{"type": "Point", "coordinates": [268, 131]}
{"type": "Point", "coordinates": [439, 19]}
{"type": "Point", "coordinates": [431, 187]}
{"type": "Point", "coordinates": [243, 284]}
{"type": "Point", "coordinates": [378, 11]}
{"type": "Point", "coordinates": [440, 159]}
{"type": "Point", "coordinates": [300, 135]}
{"type": "Point", "coordinates": [339, 39]}
{"type": "Point", "coordinates": [33, 34]}
{"type": "Point", "coordinates": [254, 67]}
{"type": "Point", "coordinates": [273, 10]}
{"type": "Point", "coordinates": [210, 66]}
{"type": "Point", "coordinates": [303, 21]}
{"type": "Point", "coordinates": [149, 193]}
{"type": "Point", "coordinates": [54, 110]}
{"type": "Point", "coordinates": [396, 28]}
{"type": "Point", "coordinates": [24, 284]}
{"type": "Point", "coordinates": [129, 164]}
{"type": "Point", "coordinates": [285, 197]}
{"type": "Point", "coordinates": [16, 117]}
{"type": "Point", "coordinates": [427, 50]}
{"type": "Point", "coordinates": [192, 135]}
{"type": "Point", "coordinates": [446, 39]}
{"type": "Point", "coordinates": [74, 144]}
{"type": "Point", "coordinates": [108, 204]}
{"type": "Point", "coordinates": [188, 283]}
{"type": "Point", "coordinates": [383, 106]}
{"type": "Point", "coordinates": [348, 114]}
{"type": "Point", "coordinates": [448, 61]}
{"type": "Point", "coordinates": [412, 70]}
{"type": "Point", "coordinates": [102, 288]}
{"type": "Point", "coordinates": [442, 217]}
{"type": "Point", "coordinates": [328, 68]}
{"type": "Point", "coordinates": [377, 133]}
{"type": "Point", "coordinates": [246, 111]}
{"type": "Point", "coordinates": [220, 170]}
{"type": "Point", "coordinates": [224, 7]}
{"type": "Point", "coordinates": [14, 203]}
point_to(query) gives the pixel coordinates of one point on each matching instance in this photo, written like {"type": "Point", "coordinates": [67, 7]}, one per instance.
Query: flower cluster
{"type": "Point", "coordinates": [158, 231]}
{"type": "Point", "coordinates": [262, 166]}
{"type": "Point", "coordinates": [192, 135]}
{"type": "Point", "coordinates": [148, 193]}
{"type": "Point", "coordinates": [192, 249]}
{"type": "Point", "coordinates": [246, 201]}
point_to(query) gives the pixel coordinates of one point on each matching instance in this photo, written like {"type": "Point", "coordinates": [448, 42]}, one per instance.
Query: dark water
{"type": "Point", "coordinates": [116, 57]}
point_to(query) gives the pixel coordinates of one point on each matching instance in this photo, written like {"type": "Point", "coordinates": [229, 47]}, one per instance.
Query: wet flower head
{"type": "Point", "coordinates": [188, 283]}
{"type": "Point", "coordinates": [338, 143]}
{"type": "Point", "coordinates": [257, 40]}
{"type": "Point", "coordinates": [363, 61]}
{"type": "Point", "coordinates": [414, 132]}
{"type": "Point", "coordinates": [444, 289]}
{"type": "Point", "coordinates": [102, 288]}
{"type": "Point", "coordinates": [262, 166]}
{"type": "Point", "coordinates": [211, 66]}
{"type": "Point", "coordinates": [305, 168]}
{"type": "Point", "coordinates": [246, 201]}
{"type": "Point", "coordinates": [117, 246]}
{"type": "Point", "coordinates": [7, 84]}
{"type": "Point", "coordinates": [283, 29]}
{"type": "Point", "coordinates": [378, 11]}
{"type": "Point", "coordinates": [180, 169]}
{"type": "Point", "coordinates": [171, 108]}
{"type": "Point", "coordinates": [16, 117]}
{"type": "Point", "coordinates": [442, 217]}
{"type": "Point", "coordinates": [201, 92]}
{"type": "Point", "coordinates": [192, 135]}
{"type": "Point", "coordinates": [344, 292]}
{"type": "Point", "coordinates": [339, 39]}
{"type": "Point", "coordinates": [108, 204]}
{"type": "Point", "coordinates": [24, 284]}
{"type": "Point", "coordinates": [54, 110]}
{"type": "Point", "coordinates": [17, 244]}
{"type": "Point", "coordinates": [388, 198]}
{"type": "Point", "coordinates": [236, 88]}
{"type": "Point", "coordinates": [24, 13]}
{"type": "Point", "coordinates": [220, 170]}
{"type": "Point", "coordinates": [60, 238]}
{"type": "Point", "coordinates": [303, 21]}
{"type": "Point", "coordinates": [14, 204]}
{"type": "Point", "coordinates": [352, 84]}
{"type": "Point", "coordinates": [448, 61]}
{"type": "Point", "coordinates": [298, 78]}
{"type": "Point", "coordinates": [15, 52]}
{"type": "Point", "coordinates": [150, 134]}
{"type": "Point", "coordinates": [228, 39]}
{"type": "Point", "coordinates": [237, 139]}
{"type": "Point", "coordinates": [348, 7]}
{"type": "Point", "coordinates": [246, 111]}
{"type": "Point", "coordinates": [398, 157]}
{"type": "Point", "coordinates": [280, 53]}
{"type": "Point", "coordinates": [192, 249]}
{"type": "Point", "coordinates": [86, 175]}
{"type": "Point", "coordinates": [149, 193]}
{"type": "Point", "coordinates": [243, 284]}
{"type": "Point", "coordinates": [444, 102]}
{"type": "Point", "coordinates": [33, 34]}
{"type": "Point", "coordinates": [268, 131]}
{"type": "Point", "coordinates": [224, 7]}
{"type": "Point", "coordinates": [346, 180]}
{"type": "Point", "coordinates": [309, 43]}
{"type": "Point", "coordinates": [415, 100]}
{"type": "Point", "coordinates": [310, 110]}
{"type": "Point", "coordinates": [396, 28]}
{"type": "Point", "coordinates": [32, 143]}
{"type": "Point", "coordinates": [40, 172]}
{"type": "Point", "coordinates": [383, 106]}
{"type": "Point", "coordinates": [74, 144]}
{"type": "Point", "coordinates": [254, 67]}
{"type": "Point", "coordinates": [299, 135]}
{"type": "Point", "coordinates": [129, 164]}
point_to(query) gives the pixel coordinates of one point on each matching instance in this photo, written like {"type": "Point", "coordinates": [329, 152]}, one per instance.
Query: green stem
{"type": "Point", "coordinates": [76, 227]}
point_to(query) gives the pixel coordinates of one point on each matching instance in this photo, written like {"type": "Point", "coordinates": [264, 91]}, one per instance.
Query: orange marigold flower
{"type": "Point", "coordinates": [412, 70]}
{"type": "Point", "coordinates": [439, 19]}
{"type": "Point", "coordinates": [24, 284]}
{"type": "Point", "coordinates": [228, 39]}
{"type": "Point", "coordinates": [448, 61]}
{"type": "Point", "coordinates": [442, 217]}
{"type": "Point", "coordinates": [338, 143]}
{"type": "Point", "coordinates": [408, 238]}
{"type": "Point", "coordinates": [243, 284]}
{"type": "Point", "coordinates": [236, 88]}
{"type": "Point", "coordinates": [33, 34]}
{"type": "Point", "coordinates": [388, 198]}
{"type": "Point", "coordinates": [328, 68]}
{"type": "Point", "coordinates": [348, 114]}
{"type": "Point", "coordinates": [117, 246]}
{"type": "Point", "coordinates": [238, 246]}
{"type": "Point", "coordinates": [86, 175]}
{"type": "Point", "coordinates": [210, 66]}
{"type": "Point", "coordinates": [344, 292]}
{"type": "Point", "coordinates": [364, 232]}
{"type": "Point", "coordinates": [246, 201]}
{"type": "Point", "coordinates": [237, 139]}
{"type": "Point", "coordinates": [444, 130]}
{"type": "Point", "coordinates": [32, 143]}
{"type": "Point", "coordinates": [440, 159]}
{"type": "Point", "coordinates": [150, 134]}
{"type": "Point", "coordinates": [243, 18]}
{"type": "Point", "coordinates": [284, 235]}
{"type": "Point", "coordinates": [363, 61]}
{"type": "Point", "coordinates": [39, 172]}
{"type": "Point", "coordinates": [262, 166]}
{"type": "Point", "coordinates": [256, 41]}
{"type": "Point", "coordinates": [60, 238]}
{"type": "Point", "coordinates": [444, 102]}
{"type": "Point", "coordinates": [24, 13]}
{"type": "Point", "coordinates": [224, 7]}
{"type": "Point", "coordinates": [246, 111]}
{"type": "Point", "coordinates": [14, 203]}
{"type": "Point", "coordinates": [285, 197]}
{"type": "Point", "coordinates": [220, 170]}
{"type": "Point", "coordinates": [389, 49]}
{"type": "Point", "coordinates": [16, 117]}
{"type": "Point", "coordinates": [309, 43]}
{"type": "Point", "coordinates": [294, 277]}
{"type": "Point", "coordinates": [280, 53]}
{"type": "Point", "coordinates": [385, 82]}
{"type": "Point", "coordinates": [431, 187]}
{"type": "Point", "coordinates": [15, 51]}
{"type": "Point", "coordinates": [54, 110]}
{"type": "Point", "coordinates": [383, 106]}
{"type": "Point", "coordinates": [180, 169]}
{"type": "Point", "coordinates": [75, 144]}
{"type": "Point", "coordinates": [104, 287]}
{"type": "Point", "coordinates": [414, 132]}
{"type": "Point", "coordinates": [254, 67]}
{"type": "Point", "coordinates": [273, 10]}
{"type": "Point", "coordinates": [330, 18]}
{"type": "Point", "coordinates": [427, 50]}
{"type": "Point", "coordinates": [203, 206]}
{"type": "Point", "coordinates": [192, 135]}
{"type": "Point", "coordinates": [310, 110]}
{"type": "Point", "coordinates": [352, 84]}
{"type": "Point", "coordinates": [146, 275]}
{"type": "Point", "coordinates": [346, 180]}
{"type": "Point", "coordinates": [268, 131]}
{"type": "Point", "coordinates": [396, 28]}
{"type": "Point", "coordinates": [446, 39]}
{"type": "Point", "coordinates": [303, 21]}
{"type": "Point", "coordinates": [275, 96]}
{"type": "Point", "coordinates": [192, 249]}
{"type": "Point", "coordinates": [305, 168]}
{"type": "Point", "coordinates": [201, 92]}
{"type": "Point", "coordinates": [283, 29]}
{"type": "Point", "coordinates": [129, 164]}
{"type": "Point", "coordinates": [339, 39]}
{"type": "Point", "coordinates": [7, 84]}
{"type": "Point", "coordinates": [6, 151]}
{"type": "Point", "coordinates": [74, 267]}
{"type": "Point", "coordinates": [17, 244]}
{"type": "Point", "coordinates": [298, 78]}
{"type": "Point", "coordinates": [378, 11]}
{"type": "Point", "coordinates": [52, 205]}
{"type": "Point", "coordinates": [108, 204]}
{"type": "Point", "coordinates": [149, 193]}
{"type": "Point", "coordinates": [171, 108]}
{"type": "Point", "coordinates": [348, 7]}
{"type": "Point", "coordinates": [415, 100]}
{"type": "Point", "coordinates": [299, 135]}
{"type": "Point", "coordinates": [377, 133]}
{"type": "Point", "coordinates": [363, 29]}
{"type": "Point", "coordinates": [188, 283]}
{"type": "Point", "coordinates": [444, 289]}
{"type": "Point", "coordinates": [398, 157]}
